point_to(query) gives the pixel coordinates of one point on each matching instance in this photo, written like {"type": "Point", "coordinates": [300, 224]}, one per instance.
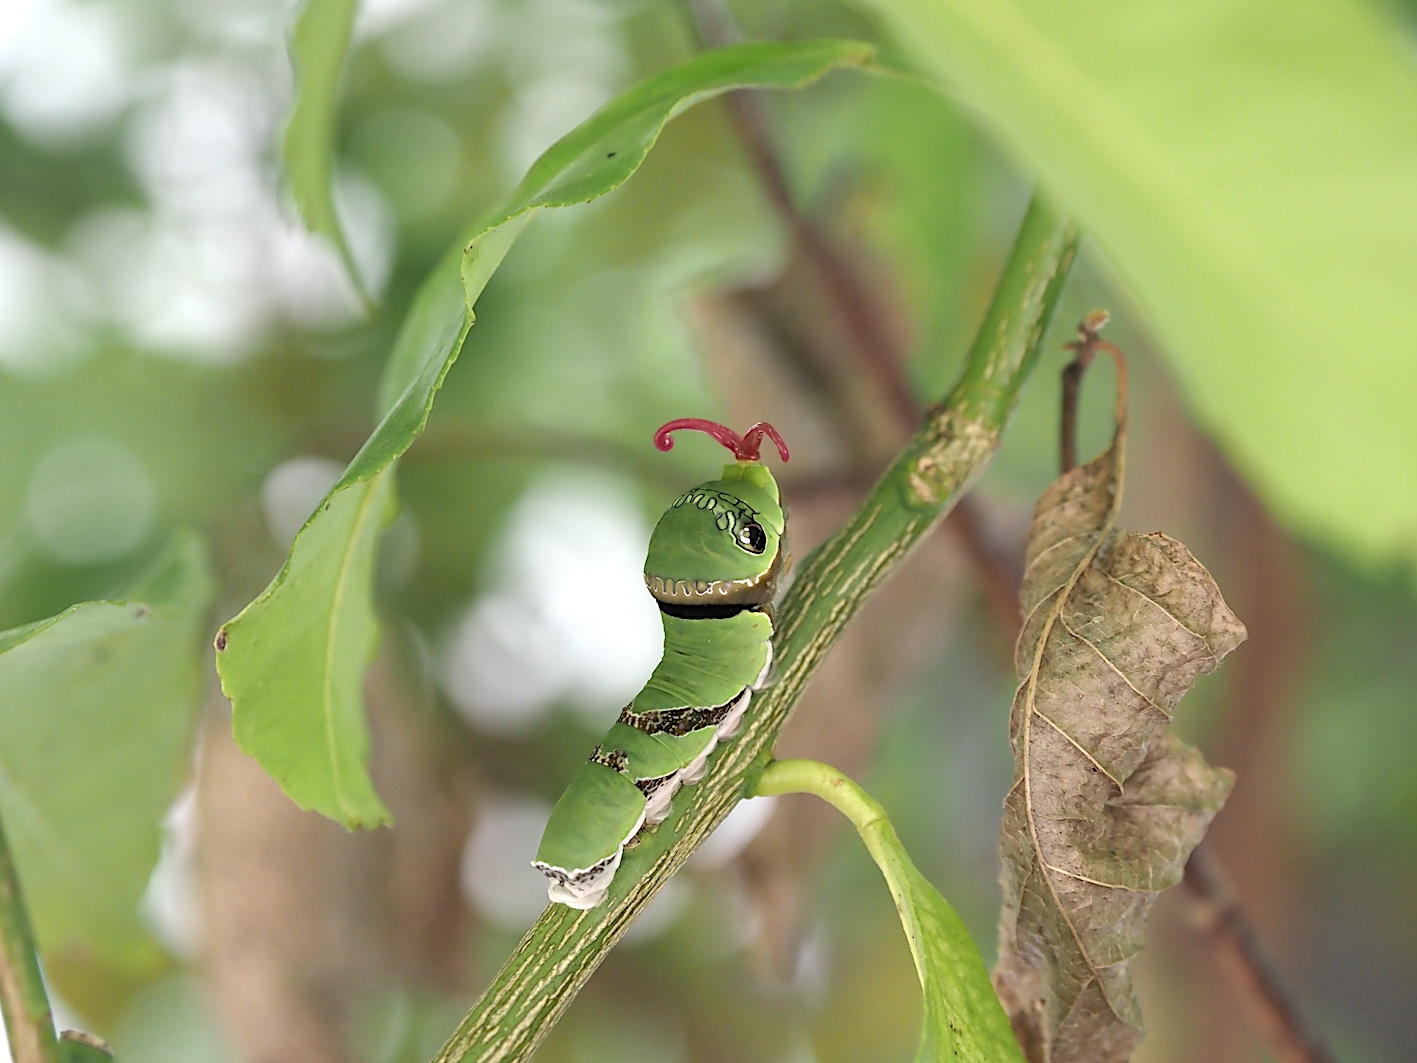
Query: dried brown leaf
{"type": "Point", "coordinates": [1106, 805]}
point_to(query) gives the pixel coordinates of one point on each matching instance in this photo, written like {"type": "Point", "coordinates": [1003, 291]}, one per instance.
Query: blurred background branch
{"type": "Point", "coordinates": [859, 313]}
{"type": "Point", "coordinates": [1274, 1010]}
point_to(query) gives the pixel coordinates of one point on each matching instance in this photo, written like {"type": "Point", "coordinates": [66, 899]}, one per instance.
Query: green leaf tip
{"type": "Point", "coordinates": [292, 662]}
{"type": "Point", "coordinates": [964, 1021]}
{"type": "Point", "coordinates": [319, 42]}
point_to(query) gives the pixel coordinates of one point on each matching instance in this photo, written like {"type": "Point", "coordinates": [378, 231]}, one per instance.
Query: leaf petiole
{"type": "Point", "coordinates": [963, 1018]}
{"type": "Point", "coordinates": [822, 780]}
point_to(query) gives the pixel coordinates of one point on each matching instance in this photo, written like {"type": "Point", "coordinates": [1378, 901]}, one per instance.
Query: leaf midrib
{"type": "Point", "coordinates": [335, 617]}
{"type": "Point", "coordinates": [1030, 710]}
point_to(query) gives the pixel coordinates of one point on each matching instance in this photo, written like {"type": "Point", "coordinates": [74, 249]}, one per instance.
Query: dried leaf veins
{"type": "Point", "coordinates": [1105, 805]}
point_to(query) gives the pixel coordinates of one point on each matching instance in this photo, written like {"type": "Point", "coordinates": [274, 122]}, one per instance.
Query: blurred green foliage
{"type": "Point", "coordinates": [1264, 224]}
{"type": "Point", "coordinates": [158, 190]}
{"type": "Point", "coordinates": [96, 727]}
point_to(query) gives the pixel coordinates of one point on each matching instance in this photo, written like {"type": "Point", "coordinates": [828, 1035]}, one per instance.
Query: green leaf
{"type": "Point", "coordinates": [293, 661]}
{"type": "Point", "coordinates": [97, 707]}
{"type": "Point", "coordinates": [964, 1022]}
{"type": "Point", "coordinates": [963, 1018]}
{"type": "Point", "coordinates": [1247, 166]}
{"type": "Point", "coordinates": [318, 44]}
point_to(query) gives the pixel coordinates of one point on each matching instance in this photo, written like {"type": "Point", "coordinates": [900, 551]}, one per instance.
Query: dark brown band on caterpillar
{"type": "Point", "coordinates": [678, 722]}
{"type": "Point", "coordinates": [614, 759]}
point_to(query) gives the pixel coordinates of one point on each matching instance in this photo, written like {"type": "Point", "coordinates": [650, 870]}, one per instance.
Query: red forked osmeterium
{"type": "Point", "coordinates": [744, 447]}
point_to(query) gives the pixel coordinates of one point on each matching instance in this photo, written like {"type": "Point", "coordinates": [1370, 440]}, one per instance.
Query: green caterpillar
{"type": "Point", "coordinates": [714, 561]}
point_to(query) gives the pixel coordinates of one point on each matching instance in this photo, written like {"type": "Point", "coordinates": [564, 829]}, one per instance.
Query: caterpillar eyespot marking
{"type": "Point", "coordinates": [752, 537]}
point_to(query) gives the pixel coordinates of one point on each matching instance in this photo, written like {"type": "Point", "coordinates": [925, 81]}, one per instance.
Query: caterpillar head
{"type": "Point", "coordinates": [722, 542]}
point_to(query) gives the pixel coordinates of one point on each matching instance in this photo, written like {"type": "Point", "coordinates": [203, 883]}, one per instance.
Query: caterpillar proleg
{"type": "Point", "coordinates": [714, 561]}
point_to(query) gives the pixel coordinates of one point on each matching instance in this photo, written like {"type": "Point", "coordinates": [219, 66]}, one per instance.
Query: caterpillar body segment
{"type": "Point", "coordinates": [607, 805]}
{"type": "Point", "coordinates": [713, 564]}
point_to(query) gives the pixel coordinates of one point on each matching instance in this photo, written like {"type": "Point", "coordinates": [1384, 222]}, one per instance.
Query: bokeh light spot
{"type": "Point", "coordinates": [90, 500]}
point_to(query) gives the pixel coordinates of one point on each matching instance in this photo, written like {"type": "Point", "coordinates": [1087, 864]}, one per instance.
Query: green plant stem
{"type": "Point", "coordinates": [955, 442]}
{"type": "Point", "coordinates": [29, 1022]}
{"type": "Point", "coordinates": [813, 777]}
{"type": "Point", "coordinates": [782, 777]}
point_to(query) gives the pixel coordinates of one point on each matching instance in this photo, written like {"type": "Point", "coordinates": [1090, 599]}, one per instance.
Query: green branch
{"type": "Point", "coordinates": [959, 436]}
{"type": "Point", "coordinates": [29, 1022]}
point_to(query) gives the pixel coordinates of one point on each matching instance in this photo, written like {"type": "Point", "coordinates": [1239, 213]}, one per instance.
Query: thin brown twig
{"type": "Point", "coordinates": [1256, 836]}
{"type": "Point", "coordinates": [1084, 349]}
{"type": "Point", "coordinates": [1272, 1006]}
{"type": "Point", "coordinates": [861, 317]}
{"type": "Point", "coordinates": [1073, 373]}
